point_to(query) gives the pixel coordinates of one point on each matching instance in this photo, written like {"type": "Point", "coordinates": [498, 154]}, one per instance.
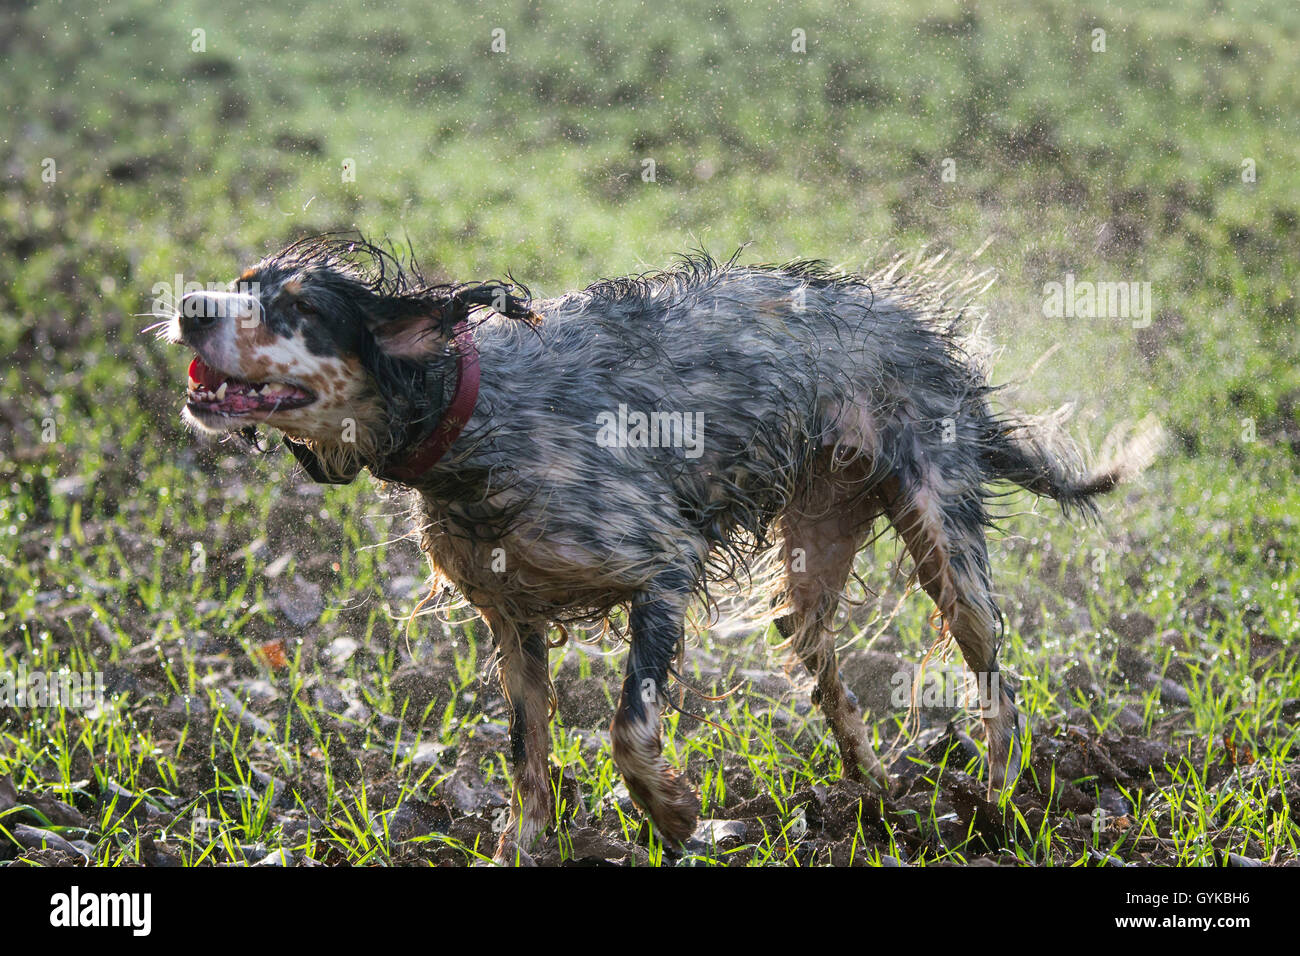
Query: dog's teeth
{"type": "Point", "coordinates": [193, 385]}
{"type": "Point", "coordinates": [221, 392]}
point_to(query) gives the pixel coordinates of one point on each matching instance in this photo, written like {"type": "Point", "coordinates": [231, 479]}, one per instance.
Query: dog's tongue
{"type": "Point", "coordinates": [204, 375]}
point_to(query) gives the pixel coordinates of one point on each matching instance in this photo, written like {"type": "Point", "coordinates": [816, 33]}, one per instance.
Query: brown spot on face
{"type": "Point", "coordinates": [336, 379]}
{"type": "Point", "coordinates": [247, 274]}
{"type": "Point", "coordinates": [259, 333]}
{"type": "Point", "coordinates": [293, 287]}
{"type": "Point", "coordinates": [253, 342]}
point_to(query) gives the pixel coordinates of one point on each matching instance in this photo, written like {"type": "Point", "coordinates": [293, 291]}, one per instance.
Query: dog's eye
{"type": "Point", "coordinates": [303, 308]}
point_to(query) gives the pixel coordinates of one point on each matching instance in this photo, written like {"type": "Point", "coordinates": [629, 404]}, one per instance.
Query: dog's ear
{"type": "Point", "coordinates": [416, 331]}
{"type": "Point", "coordinates": [421, 326]}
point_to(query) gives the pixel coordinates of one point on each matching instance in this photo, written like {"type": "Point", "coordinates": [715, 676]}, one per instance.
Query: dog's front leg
{"type": "Point", "coordinates": [521, 652]}
{"type": "Point", "coordinates": [656, 624]}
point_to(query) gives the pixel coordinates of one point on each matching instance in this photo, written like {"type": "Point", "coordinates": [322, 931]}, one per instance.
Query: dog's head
{"type": "Point", "coordinates": [331, 341]}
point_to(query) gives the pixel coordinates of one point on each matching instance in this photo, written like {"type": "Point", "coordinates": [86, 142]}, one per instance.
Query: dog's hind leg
{"type": "Point", "coordinates": [521, 653]}
{"type": "Point", "coordinates": [821, 536]}
{"type": "Point", "coordinates": [944, 532]}
{"type": "Point", "coordinates": [656, 622]}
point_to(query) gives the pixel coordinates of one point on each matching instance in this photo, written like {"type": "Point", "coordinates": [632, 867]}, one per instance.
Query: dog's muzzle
{"type": "Point", "coordinates": [200, 312]}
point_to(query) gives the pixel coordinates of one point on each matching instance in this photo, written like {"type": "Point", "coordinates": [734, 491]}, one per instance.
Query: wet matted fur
{"type": "Point", "coordinates": [643, 440]}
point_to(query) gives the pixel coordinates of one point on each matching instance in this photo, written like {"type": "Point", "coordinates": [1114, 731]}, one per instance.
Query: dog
{"type": "Point", "coordinates": [631, 445]}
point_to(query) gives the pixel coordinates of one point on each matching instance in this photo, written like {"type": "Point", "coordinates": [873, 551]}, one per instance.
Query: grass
{"type": "Point", "coordinates": [1164, 641]}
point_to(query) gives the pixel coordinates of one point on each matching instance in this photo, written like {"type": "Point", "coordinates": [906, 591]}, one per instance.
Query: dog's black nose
{"type": "Point", "coordinates": [198, 312]}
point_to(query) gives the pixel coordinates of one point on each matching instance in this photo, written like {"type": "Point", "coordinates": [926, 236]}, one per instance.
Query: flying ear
{"type": "Point", "coordinates": [411, 337]}
{"type": "Point", "coordinates": [416, 327]}
{"type": "Point", "coordinates": [421, 326]}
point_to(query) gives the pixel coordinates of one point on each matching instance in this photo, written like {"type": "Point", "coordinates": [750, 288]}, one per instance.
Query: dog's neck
{"type": "Point", "coordinates": [422, 450]}
{"type": "Point", "coordinates": [410, 466]}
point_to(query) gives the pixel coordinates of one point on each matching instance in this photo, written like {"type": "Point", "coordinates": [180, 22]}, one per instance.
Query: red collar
{"type": "Point", "coordinates": [427, 453]}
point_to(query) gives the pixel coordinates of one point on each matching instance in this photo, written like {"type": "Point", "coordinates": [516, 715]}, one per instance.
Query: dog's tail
{"type": "Point", "coordinates": [1037, 455]}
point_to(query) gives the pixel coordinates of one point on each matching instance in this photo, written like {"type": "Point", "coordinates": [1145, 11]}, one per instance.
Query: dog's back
{"type": "Point", "coordinates": [700, 404]}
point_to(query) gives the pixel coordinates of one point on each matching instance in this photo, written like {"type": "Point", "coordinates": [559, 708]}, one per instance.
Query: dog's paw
{"type": "Point", "coordinates": [510, 853]}
{"type": "Point", "coordinates": [671, 804]}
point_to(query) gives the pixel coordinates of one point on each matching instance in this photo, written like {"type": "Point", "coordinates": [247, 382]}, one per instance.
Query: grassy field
{"type": "Point", "coordinates": [266, 701]}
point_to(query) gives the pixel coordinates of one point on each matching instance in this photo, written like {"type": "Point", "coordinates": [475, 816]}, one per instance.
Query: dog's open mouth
{"type": "Point", "coordinates": [216, 393]}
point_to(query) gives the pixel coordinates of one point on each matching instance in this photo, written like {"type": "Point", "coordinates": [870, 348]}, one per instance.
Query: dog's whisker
{"type": "Point", "coordinates": [156, 327]}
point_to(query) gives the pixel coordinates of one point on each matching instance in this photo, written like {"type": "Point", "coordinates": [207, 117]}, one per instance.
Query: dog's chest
{"type": "Point", "coordinates": [524, 571]}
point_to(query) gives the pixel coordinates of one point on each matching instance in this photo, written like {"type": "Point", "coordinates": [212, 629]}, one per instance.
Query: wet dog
{"type": "Point", "coordinates": [631, 444]}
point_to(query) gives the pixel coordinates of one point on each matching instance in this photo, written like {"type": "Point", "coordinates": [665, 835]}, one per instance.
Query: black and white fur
{"type": "Point", "coordinates": [828, 401]}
